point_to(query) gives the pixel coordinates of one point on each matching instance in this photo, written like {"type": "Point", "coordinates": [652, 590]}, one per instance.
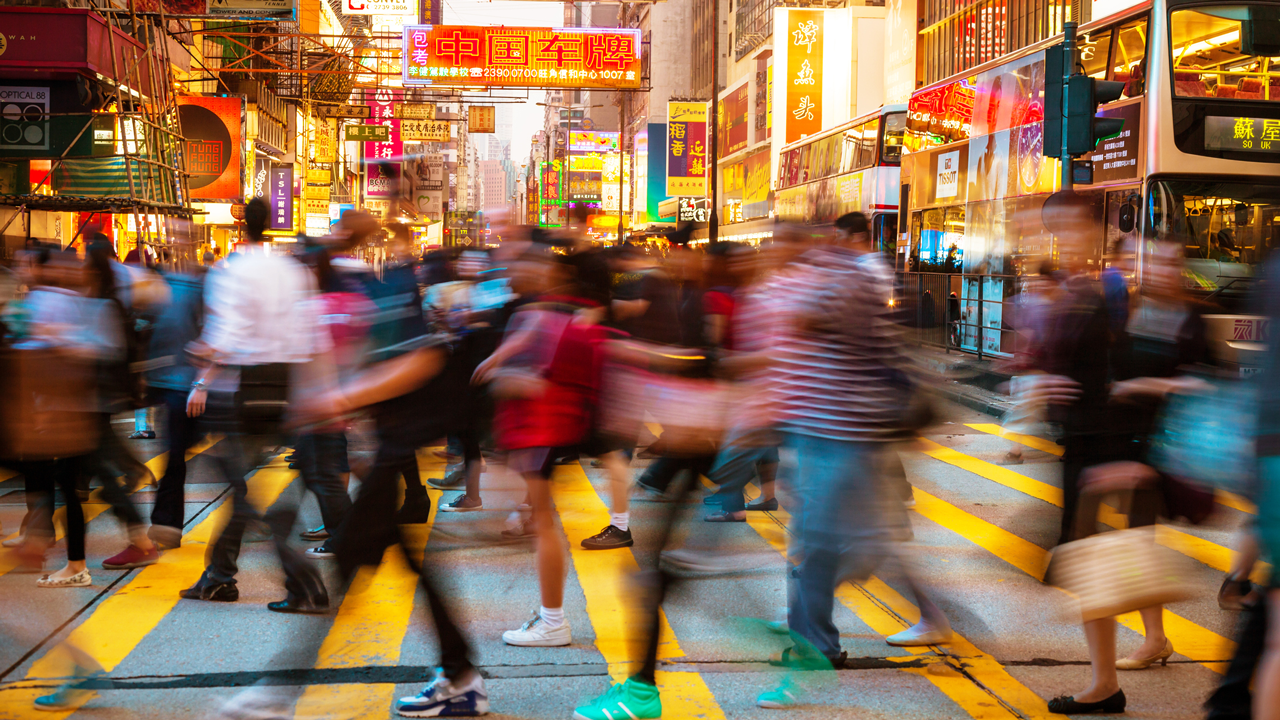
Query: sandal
{"type": "Point", "coordinates": [80, 579]}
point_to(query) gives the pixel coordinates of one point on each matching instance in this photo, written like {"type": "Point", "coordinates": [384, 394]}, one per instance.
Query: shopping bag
{"type": "Point", "coordinates": [1120, 571]}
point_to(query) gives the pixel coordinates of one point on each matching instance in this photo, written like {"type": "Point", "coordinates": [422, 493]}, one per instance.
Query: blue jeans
{"type": "Point", "coordinates": [840, 530]}
{"type": "Point", "coordinates": [734, 467]}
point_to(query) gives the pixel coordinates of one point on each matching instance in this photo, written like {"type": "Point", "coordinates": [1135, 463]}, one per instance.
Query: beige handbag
{"type": "Point", "coordinates": [1120, 571]}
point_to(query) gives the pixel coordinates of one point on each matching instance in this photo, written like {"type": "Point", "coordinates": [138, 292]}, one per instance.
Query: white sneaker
{"type": "Point", "coordinates": [537, 633]}
{"type": "Point", "coordinates": [443, 698]}
{"type": "Point", "coordinates": [920, 635]}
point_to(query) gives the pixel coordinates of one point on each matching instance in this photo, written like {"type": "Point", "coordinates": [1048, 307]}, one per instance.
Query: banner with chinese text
{"type": "Point", "coordinates": [482, 119]}
{"type": "Point", "coordinates": [732, 121]}
{"type": "Point", "coordinates": [496, 56]}
{"type": "Point", "coordinates": [686, 149]}
{"type": "Point", "coordinates": [804, 73]}
{"type": "Point", "coordinates": [382, 112]}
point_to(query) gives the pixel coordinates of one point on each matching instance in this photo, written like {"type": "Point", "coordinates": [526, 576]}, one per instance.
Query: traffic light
{"type": "Point", "coordinates": [1084, 129]}
{"type": "Point", "coordinates": [1054, 62]}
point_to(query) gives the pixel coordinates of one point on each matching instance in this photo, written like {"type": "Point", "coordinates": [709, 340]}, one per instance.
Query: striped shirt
{"type": "Point", "coordinates": [840, 359]}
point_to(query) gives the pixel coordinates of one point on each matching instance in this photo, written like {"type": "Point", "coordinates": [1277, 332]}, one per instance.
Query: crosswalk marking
{"type": "Point", "coordinates": [1204, 551]}
{"type": "Point", "coordinates": [1190, 640]}
{"type": "Point", "coordinates": [884, 610]}
{"type": "Point", "coordinates": [117, 625]}
{"type": "Point", "coordinates": [94, 506]}
{"type": "Point", "coordinates": [1223, 497]}
{"type": "Point", "coordinates": [605, 578]}
{"type": "Point", "coordinates": [370, 626]}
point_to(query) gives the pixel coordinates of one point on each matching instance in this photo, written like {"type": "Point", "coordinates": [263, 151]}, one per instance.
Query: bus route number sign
{"type": "Point", "coordinates": [1242, 134]}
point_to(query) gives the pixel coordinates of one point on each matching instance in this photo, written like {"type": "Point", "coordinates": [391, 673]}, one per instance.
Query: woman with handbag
{"type": "Point", "coordinates": [1164, 335]}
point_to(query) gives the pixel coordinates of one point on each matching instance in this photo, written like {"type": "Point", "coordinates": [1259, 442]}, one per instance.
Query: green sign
{"type": "Point", "coordinates": [368, 133]}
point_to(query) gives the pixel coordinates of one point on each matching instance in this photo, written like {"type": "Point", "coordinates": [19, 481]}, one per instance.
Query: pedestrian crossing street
{"type": "Point", "coordinates": [981, 529]}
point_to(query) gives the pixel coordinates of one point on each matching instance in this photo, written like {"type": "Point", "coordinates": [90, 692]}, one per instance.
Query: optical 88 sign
{"type": "Point", "coordinates": [471, 55]}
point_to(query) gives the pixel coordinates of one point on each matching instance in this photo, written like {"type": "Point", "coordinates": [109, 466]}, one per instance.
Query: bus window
{"type": "Point", "coordinates": [793, 169]}
{"type": "Point", "coordinates": [1093, 53]}
{"type": "Point", "coordinates": [869, 135]}
{"type": "Point", "coordinates": [849, 151]}
{"type": "Point", "coordinates": [803, 164]}
{"type": "Point", "coordinates": [1128, 61]}
{"type": "Point", "coordinates": [1226, 51]}
{"type": "Point", "coordinates": [885, 226]}
{"type": "Point", "coordinates": [895, 125]}
{"type": "Point", "coordinates": [1228, 230]}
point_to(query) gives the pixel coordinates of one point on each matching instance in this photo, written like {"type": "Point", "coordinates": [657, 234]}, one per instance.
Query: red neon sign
{"type": "Point", "coordinates": [473, 55]}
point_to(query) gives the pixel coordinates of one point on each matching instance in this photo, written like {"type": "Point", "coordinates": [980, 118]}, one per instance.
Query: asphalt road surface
{"type": "Point", "coordinates": [981, 535]}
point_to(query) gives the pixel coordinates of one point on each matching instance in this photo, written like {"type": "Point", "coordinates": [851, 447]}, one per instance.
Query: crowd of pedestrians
{"type": "Point", "coordinates": [549, 349]}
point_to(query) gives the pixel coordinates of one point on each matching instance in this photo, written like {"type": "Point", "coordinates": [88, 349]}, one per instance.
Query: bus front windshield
{"type": "Point", "coordinates": [1226, 51]}
{"type": "Point", "coordinates": [1228, 230]}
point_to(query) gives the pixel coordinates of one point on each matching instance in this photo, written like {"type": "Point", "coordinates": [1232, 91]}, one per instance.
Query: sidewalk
{"type": "Point", "coordinates": [964, 379]}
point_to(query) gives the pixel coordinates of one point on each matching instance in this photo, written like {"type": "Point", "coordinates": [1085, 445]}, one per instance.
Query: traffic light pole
{"type": "Point", "coordinates": [1068, 67]}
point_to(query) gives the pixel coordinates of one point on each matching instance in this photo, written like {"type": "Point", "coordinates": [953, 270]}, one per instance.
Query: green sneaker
{"type": "Point", "coordinates": [631, 700]}
{"type": "Point", "coordinates": [73, 693]}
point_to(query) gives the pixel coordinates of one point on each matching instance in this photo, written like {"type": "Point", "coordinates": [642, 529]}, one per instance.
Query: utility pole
{"type": "Point", "coordinates": [713, 168]}
{"type": "Point", "coordinates": [622, 146]}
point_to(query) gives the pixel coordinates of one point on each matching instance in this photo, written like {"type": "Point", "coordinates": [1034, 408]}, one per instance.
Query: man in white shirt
{"type": "Point", "coordinates": [261, 335]}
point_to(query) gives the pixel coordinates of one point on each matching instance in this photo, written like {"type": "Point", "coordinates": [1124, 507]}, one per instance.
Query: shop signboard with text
{"type": "Point", "coordinates": [215, 146]}
{"type": "Point", "coordinates": [686, 148]}
{"type": "Point", "coordinates": [804, 40]}
{"type": "Point", "coordinates": [540, 57]}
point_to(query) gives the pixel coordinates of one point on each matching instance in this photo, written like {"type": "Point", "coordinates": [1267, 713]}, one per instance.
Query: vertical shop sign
{"type": "Point", "coordinates": [804, 73]}
{"type": "Point", "coordinates": [281, 189]}
{"type": "Point", "coordinates": [382, 112]}
{"type": "Point", "coordinates": [687, 149]}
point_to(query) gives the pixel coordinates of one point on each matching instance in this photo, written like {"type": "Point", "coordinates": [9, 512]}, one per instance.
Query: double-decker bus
{"type": "Point", "coordinates": [1197, 161]}
{"type": "Point", "coordinates": [851, 167]}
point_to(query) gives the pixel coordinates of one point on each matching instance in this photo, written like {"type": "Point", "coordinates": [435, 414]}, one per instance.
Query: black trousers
{"type": "Point", "coordinates": [180, 433]}
{"type": "Point", "coordinates": [42, 479]}
{"type": "Point", "coordinates": [1233, 700]}
{"type": "Point", "coordinates": [371, 528]}
{"type": "Point", "coordinates": [662, 471]}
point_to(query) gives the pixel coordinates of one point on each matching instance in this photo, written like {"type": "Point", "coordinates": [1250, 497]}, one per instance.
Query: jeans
{"type": "Point", "coordinates": [734, 467]}
{"type": "Point", "coordinates": [180, 434]}
{"type": "Point", "coordinates": [839, 528]}
{"type": "Point", "coordinates": [321, 459]}
{"type": "Point", "coordinates": [371, 528]}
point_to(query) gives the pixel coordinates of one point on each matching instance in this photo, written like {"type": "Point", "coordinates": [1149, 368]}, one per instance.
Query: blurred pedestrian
{"type": "Point", "coordinates": [262, 339]}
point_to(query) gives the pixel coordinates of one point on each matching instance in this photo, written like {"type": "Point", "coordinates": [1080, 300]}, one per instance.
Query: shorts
{"type": "Point", "coordinates": [535, 460]}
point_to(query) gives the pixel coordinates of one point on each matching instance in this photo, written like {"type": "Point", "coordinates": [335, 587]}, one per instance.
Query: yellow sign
{"type": "Point", "coordinates": [312, 206]}
{"type": "Point", "coordinates": [482, 118]}
{"type": "Point", "coordinates": [686, 149]}
{"type": "Point", "coordinates": [417, 111]}
{"type": "Point", "coordinates": [318, 176]}
{"type": "Point", "coordinates": [424, 130]}
{"type": "Point", "coordinates": [316, 192]}
{"type": "Point", "coordinates": [733, 177]}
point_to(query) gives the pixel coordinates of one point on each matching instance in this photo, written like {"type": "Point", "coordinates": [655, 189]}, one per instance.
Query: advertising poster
{"type": "Point", "coordinates": [382, 110]}
{"type": "Point", "coordinates": [804, 73]}
{"type": "Point", "coordinates": [498, 56]}
{"type": "Point", "coordinates": [592, 141]}
{"type": "Point", "coordinates": [733, 121]}
{"type": "Point", "coordinates": [755, 185]}
{"type": "Point", "coordinates": [686, 149]}
{"type": "Point", "coordinates": [379, 7]}
{"type": "Point", "coordinates": [215, 147]}
{"type": "Point", "coordinates": [381, 180]}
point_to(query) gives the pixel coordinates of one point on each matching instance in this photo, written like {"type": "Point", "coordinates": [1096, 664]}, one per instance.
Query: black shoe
{"type": "Point", "coordinates": [319, 533]}
{"type": "Point", "coordinates": [294, 605]}
{"type": "Point", "coordinates": [143, 435]}
{"type": "Point", "coordinates": [213, 592]}
{"type": "Point", "coordinates": [293, 465]}
{"type": "Point", "coordinates": [769, 505]}
{"type": "Point", "coordinates": [608, 539]}
{"type": "Point", "coordinates": [1067, 705]}
{"type": "Point", "coordinates": [712, 499]}
{"type": "Point", "coordinates": [452, 481]}
{"type": "Point", "coordinates": [791, 659]}
{"type": "Point", "coordinates": [415, 510]}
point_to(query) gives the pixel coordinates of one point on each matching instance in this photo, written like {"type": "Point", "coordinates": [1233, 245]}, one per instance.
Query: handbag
{"type": "Point", "coordinates": [1208, 438]}
{"type": "Point", "coordinates": [50, 403]}
{"type": "Point", "coordinates": [1120, 571]}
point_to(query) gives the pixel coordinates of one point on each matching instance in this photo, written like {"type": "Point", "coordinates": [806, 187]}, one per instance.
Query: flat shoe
{"type": "Point", "coordinates": [723, 517]}
{"type": "Point", "coordinates": [291, 605]}
{"type": "Point", "coordinates": [913, 638]}
{"type": "Point", "coordinates": [1067, 705]}
{"type": "Point", "coordinates": [80, 579]}
{"type": "Point", "coordinates": [769, 505]}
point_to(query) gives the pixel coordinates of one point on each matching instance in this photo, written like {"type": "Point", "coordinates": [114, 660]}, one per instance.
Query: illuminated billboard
{"type": "Point", "coordinates": [495, 56]}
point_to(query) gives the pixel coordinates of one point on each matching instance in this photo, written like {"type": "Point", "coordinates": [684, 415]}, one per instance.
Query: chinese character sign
{"type": "Point", "coordinates": [382, 112]}
{"type": "Point", "coordinates": [804, 73]}
{"type": "Point", "coordinates": [281, 192]}
{"type": "Point", "coordinates": [495, 56]}
{"type": "Point", "coordinates": [551, 183]}
{"type": "Point", "coordinates": [482, 119]}
{"type": "Point", "coordinates": [591, 141]}
{"type": "Point", "coordinates": [425, 130]}
{"type": "Point", "coordinates": [686, 148]}
{"type": "Point", "coordinates": [381, 180]}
